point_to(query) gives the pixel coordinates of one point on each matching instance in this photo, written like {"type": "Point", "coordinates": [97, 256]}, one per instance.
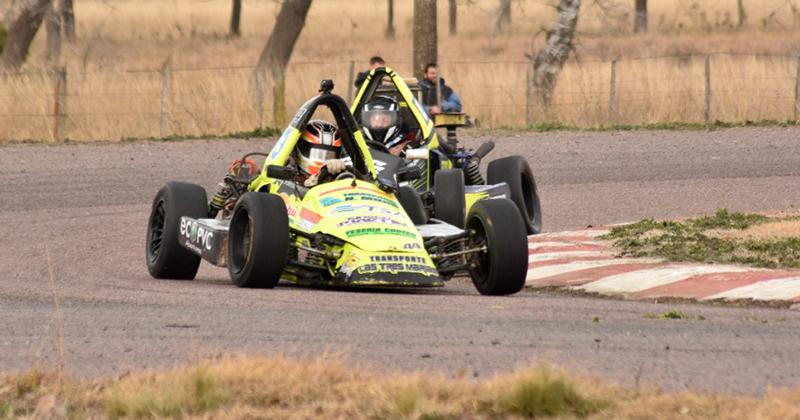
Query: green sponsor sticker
{"type": "Point", "coordinates": [380, 231]}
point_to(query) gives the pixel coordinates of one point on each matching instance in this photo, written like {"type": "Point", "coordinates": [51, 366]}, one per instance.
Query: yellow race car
{"type": "Point", "coordinates": [348, 230]}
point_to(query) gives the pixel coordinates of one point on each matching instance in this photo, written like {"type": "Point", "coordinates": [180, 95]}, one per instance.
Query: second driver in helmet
{"type": "Point", "coordinates": [382, 123]}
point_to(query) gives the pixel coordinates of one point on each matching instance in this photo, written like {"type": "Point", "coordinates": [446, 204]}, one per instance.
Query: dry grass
{"type": "Point", "coordinates": [782, 229]}
{"type": "Point", "coordinates": [279, 387]}
{"type": "Point", "coordinates": [108, 101]}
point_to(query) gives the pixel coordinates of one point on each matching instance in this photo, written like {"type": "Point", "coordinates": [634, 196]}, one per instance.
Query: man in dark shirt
{"type": "Point", "coordinates": [451, 102]}
{"type": "Point", "coordinates": [374, 63]}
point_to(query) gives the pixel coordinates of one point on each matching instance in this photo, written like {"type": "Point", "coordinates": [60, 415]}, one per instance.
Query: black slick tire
{"type": "Point", "coordinates": [516, 172]}
{"type": "Point", "coordinates": [503, 267]}
{"type": "Point", "coordinates": [449, 198]}
{"type": "Point", "coordinates": [258, 240]}
{"type": "Point", "coordinates": [412, 203]}
{"type": "Point", "coordinates": [166, 258]}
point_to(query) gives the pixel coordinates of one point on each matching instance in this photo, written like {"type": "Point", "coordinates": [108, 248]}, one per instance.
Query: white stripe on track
{"type": "Point", "coordinates": [554, 270]}
{"type": "Point", "coordinates": [591, 233]}
{"type": "Point", "coordinates": [558, 244]}
{"type": "Point", "coordinates": [639, 280]}
{"type": "Point", "coordinates": [777, 289]}
{"type": "Point", "coordinates": [548, 256]}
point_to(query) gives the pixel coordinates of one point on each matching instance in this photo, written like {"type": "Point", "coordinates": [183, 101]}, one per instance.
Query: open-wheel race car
{"type": "Point", "coordinates": [347, 230]}
{"type": "Point", "coordinates": [451, 181]}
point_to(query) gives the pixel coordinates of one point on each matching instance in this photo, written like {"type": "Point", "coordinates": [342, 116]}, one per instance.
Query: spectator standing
{"type": "Point", "coordinates": [451, 102]}
{"type": "Point", "coordinates": [374, 63]}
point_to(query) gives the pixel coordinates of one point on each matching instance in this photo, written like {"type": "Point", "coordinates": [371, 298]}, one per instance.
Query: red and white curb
{"type": "Point", "coordinates": [579, 260]}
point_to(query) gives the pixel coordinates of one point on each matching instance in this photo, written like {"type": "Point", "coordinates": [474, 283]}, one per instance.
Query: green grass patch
{"type": "Point", "coordinates": [693, 240]}
{"type": "Point", "coordinates": [545, 393]}
{"type": "Point", "coordinates": [673, 314]}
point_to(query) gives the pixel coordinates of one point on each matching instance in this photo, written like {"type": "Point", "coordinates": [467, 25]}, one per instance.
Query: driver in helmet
{"type": "Point", "coordinates": [383, 124]}
{"type": "Point", "coordinates": [319, 145]}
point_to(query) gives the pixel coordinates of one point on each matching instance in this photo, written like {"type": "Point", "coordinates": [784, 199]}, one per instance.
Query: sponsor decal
{"type": "Point", "coordinates": [196, 235]}
{"type": "Point", "coordinates": [395, 267]}
{"type": "Point", "coordinates": [291, 211]}
{"type": "Point", "coordinates": [380, 231]}
{"type": "Point", "coordinates": [329, 201]}
{"type": "Point", "coordinates": [350, 264]}
{"type": "Point", "coordinates": [379, 165]}
{"type": "Point", "coordinates": [362, 220]}
{"type": "Point", "coordinates": [281, 142]}
{"type": "Point", "coordinates": [305, 224]}
{"type": "Point", "coordinates": [310, 215]}
{"type": "Point", "coordinates": [397, 258]}
{"type": "Point", "coordinates": [412, 245]}
{"type": "Point", "coordinates": [360, 196]}
{"type": "Point", "coordinates": [366, 208]}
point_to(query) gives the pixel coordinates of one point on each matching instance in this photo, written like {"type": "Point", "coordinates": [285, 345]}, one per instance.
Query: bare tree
{"type": "Point", "coordinates": [549, 61]}
{"type": "Point", "coordinates": [425, 41]}
{"type": "Point", "coordinates": [390, 19]}
{"type": "Point", "coordinates": [503, 20]}
{"type": "Point", "coordinates": [640, 18]}
{"type": "Point", "coordinates": [22, 21]}
{"type": "Point", "coordinates": [68, 16]}
{"type": "Point", "coordinates": [53, 19]}
{"type": "Point", "coordinates": [453, 12]}
{"type": "Point", "coordinates": [742, 14]}
{"type": "Point", "coordinates": [276, 54]}
{"type": "Point", "coordinates": [236, 17]}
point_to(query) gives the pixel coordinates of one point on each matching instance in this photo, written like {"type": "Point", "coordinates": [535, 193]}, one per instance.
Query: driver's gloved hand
{"type": "Point", "coordinates": [311, 181]}
{"type": "Point", "coordinates": [335, 166]}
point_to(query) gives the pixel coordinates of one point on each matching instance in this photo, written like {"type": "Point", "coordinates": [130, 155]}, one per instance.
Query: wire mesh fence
{"type": "Point", "coordinates": [113, 104]}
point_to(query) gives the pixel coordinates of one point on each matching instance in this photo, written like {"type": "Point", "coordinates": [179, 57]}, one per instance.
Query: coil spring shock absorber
{"type": "Point", "coordinates": [220, 196]}
{"type": "Point", "coordinates": [472, 173]}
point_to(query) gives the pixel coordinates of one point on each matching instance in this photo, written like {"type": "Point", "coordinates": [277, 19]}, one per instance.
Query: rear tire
{"type": "Point", "coordinates": [516, 172]}
{"type": "Point", "coordinates": [502, 269]}
{"type": "Point", "coordinates": [449, 197]}
{"type": "Point", "coordinates": [412, 203]}
{"type": "Point", "coordinates": [258, 240]}
{"type": "Point", "coordinates": [166, 258]}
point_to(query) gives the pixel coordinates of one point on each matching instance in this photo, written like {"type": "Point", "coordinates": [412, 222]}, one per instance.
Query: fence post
{"type": "Point", "coordinates": [164, 99]}
{"type": "Point", "coordinates": [350, 81]}
{"type": "Point", "coordinates": [259, 76]}
{"type": "Point", "coordinates": [529, 96]}
{"type": "Point", "coordinates": [797, 91]}
{"type": "Point", "coordinates": [612, 96]}
{"type": "Point", "coordinates": [60, 104]}
{"type": "Point", "coordinates": [707, 107]}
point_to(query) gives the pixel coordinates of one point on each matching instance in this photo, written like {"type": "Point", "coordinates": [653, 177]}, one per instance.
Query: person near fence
{"type": "Point", "coordinates": [374, 63]}
{"type": "Point", "coordinates": [450, 101]}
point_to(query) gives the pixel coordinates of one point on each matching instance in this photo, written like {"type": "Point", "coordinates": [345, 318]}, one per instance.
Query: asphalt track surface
{"type": "Point", "coordinates": [84, 209]}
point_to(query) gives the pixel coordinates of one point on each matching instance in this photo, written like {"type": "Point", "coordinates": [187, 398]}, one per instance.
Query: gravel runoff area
{"type": "Point", "coordinates": [83, 209]}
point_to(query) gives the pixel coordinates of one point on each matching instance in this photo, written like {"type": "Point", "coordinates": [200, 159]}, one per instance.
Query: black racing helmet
{"type": "Point", "coordinates": [381, 120]}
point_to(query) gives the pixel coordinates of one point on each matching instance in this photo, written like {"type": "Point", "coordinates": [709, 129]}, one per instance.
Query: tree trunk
{"type": "Point", "coordinates": [640, 19]}
{"type": "Point", "coordinates": [22, 22]}
{"type": "Point", "coordinates": [742, 14]}
{"type": "Point", "coordinates": [503, 16]}
{"type": "Point", "coordinates": [52, 25]}
{"type": "Point", "coordinates": [236, 16]}
{"type": "Point", "coordinates": [453, 11]}
{"type": "Point", "coordinates": [425, 44]}
{"type": "Point", "coordinates": [276, 53]}
{"type": "Point", "coordinates": [550, 60]}
{"type": "Point", "coordinates": [68, 16]}
{"type": "Point", "coordinates": [390, 19]}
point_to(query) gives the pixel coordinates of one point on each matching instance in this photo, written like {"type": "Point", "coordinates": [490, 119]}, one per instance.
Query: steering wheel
{"type": "Point", "coordinates": [377, 145]}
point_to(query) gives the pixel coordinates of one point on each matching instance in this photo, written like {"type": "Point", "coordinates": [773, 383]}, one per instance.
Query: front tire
{"type": "Point", "coordinates": [166, 258]}
{"type": "Point", "coordinates": [449, 197]}
{"type": "Point", "coordinates": [258, 240]}
{"type": "Point", "coordinates": [516, 172]}
{"type": "Point", "coordinates": [503, 267]}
